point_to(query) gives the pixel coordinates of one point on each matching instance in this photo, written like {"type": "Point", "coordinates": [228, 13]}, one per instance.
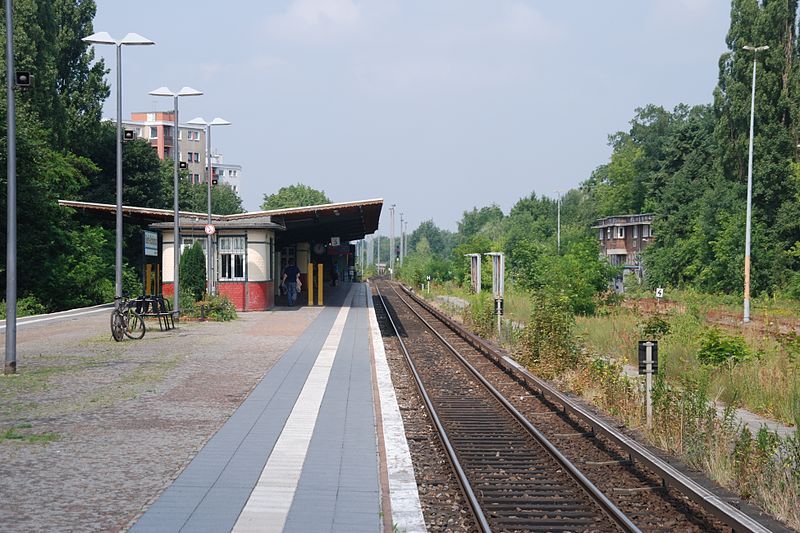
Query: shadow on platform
{"type": "Point", "coordinates": [331, 297]}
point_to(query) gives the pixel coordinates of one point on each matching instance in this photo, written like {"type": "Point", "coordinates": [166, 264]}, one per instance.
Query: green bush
{"type": "Point", "coordinates": [717, 348]}
{"type": "Point", "coordinates": [218, 308]}
{"type": "Point", "coordinates": [26, 306]}
{"type": "Point", "coordinates": [654, 328]}
{"type": "Point", "coordinates": [479, 315]}
{"type": "Point", "coordinates": [193, 271]}
{"type": "Point", "coordinates": [548, 344]}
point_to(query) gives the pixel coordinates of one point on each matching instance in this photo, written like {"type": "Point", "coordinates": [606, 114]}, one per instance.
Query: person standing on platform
{"type": "Point", "coordinates": [291, 279]}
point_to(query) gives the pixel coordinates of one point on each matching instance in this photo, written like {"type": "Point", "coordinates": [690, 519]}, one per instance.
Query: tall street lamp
{"type": "Point", "coordinates": [391, 241]}
{"type": "Point", "coordinates": [199, 121]}
{"type": "Point", "coordinates": [746, 318]}
{"type": "Point", "coordinates": [176, 246]}
{"type": "Point", "coordinates": [131, 39]}
{"type": "Point", "coordinates": [10, 365]}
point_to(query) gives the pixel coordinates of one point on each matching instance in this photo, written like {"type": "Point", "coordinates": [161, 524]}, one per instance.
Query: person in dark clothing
{"type": "Point", "coordinates": [291, 279]}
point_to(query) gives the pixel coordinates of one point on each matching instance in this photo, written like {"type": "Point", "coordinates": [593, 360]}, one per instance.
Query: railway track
{"type": "Point", "coordinates": [535, 461]}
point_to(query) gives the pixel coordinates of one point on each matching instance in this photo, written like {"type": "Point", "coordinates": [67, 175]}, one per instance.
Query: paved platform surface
{"type": "Point", "coordinates": [301, 452]}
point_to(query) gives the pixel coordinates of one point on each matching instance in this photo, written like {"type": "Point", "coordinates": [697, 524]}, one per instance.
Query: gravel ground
{"type": "Point", "coordinates": [91, 431]}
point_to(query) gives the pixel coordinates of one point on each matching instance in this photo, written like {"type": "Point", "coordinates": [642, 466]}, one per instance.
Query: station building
{"type": "Point", "coordinates": [250, 250]}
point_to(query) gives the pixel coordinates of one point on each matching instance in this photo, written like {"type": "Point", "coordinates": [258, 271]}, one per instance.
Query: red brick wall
{"type": "Point", "coordinates": [261, 294]}
{"type": "Point", "coordinates": [234, 290]}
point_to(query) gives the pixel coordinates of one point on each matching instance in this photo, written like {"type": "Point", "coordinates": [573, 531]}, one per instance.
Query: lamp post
{"type": "Point", "coordinates": [558, 222]}
{"type": "Point", "coordinates": [402, 241]}
{"type": "Point", "coordinates": [186, 91]}
{"type": "Point", "coordinates": [746, 317]}
{"type": "Point", "coordinates": [199, 121]}
{"type": "Point", "coordinates": [391, 241]}
{"type": "Point", "coordinates": [131, 39]}
{"type": "Point", "coordinates": [10, 365]}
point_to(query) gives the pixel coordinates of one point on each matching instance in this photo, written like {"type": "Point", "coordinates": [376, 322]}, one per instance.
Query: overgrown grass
{"type": "Point", "coordinates": [764, 378]}
{"type": "Point", "coordinates": [768, 383]}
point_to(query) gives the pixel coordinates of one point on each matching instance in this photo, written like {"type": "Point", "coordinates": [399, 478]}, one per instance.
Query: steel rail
{"type": "Point", "coordinates": [596, 494]}
{"type": "Point", "coordinates": [466, 487]}
{"type": "Point", "coordinates": [670, 475]}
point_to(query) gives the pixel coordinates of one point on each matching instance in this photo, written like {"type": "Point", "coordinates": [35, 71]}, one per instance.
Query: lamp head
{"type": "Point", "coordinates": [162, 91]}
{"type": "Point", "coordinates": [101, 37]}
{"type": "Point", "coordinates": [219, 122]}
{"type": "Point", "coordinates": [198, 121]}
{"type": "Point", "coordinates": [188, 91]}
{"type": "Point", "coordinates": [135, 39]}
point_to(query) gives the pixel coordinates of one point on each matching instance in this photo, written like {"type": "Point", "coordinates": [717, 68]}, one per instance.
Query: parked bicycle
{"type": "Point", "coordinates": [126, 320]}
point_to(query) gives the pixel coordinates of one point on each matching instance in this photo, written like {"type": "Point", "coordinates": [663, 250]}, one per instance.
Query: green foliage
{"type": "Point", "coordinates": [654, 328]}
{"type": "Point", "coordinates": [193, 271]}
{"type": "Point", "coordinates": [224, 200]}
{"type": "Point", "coordinates": [219, 308]}
{"type": "Point", "coordinates": [294, 196]}
{"type": "Point", "coordinates": [547, 342]}
{"type": "Point", "coordinates": [479, 315]}
{"type": "Point", "coordinates": [483, 220]}
{"type": "Point", "coordinates": [26, 306]}
{"type": "Point", "coordinates": [717, 348]}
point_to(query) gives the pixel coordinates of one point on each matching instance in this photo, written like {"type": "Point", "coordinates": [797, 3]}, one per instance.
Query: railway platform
{"type": "Point", "coordinates": [305, 451]}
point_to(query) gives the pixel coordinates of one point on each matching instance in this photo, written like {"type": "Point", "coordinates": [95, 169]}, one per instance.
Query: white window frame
{"type": "Point", "coordinates": [153, 132]}
{"type": "Point", "coordinates": [229, 247]}
{"type": "Point", "coordinates": [620, 232]}
{"type": "Point", "coordinates": [636, 232]}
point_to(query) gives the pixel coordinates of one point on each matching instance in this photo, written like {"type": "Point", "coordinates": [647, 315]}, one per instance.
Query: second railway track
{"type": "Point", "coordinates": [584, 483]}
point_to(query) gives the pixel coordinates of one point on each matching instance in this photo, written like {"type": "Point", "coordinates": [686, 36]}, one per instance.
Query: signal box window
{"type": "Point", "coordinates": [231, 253]}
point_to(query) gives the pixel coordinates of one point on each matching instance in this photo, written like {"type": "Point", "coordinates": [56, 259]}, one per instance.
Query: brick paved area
{"type": "Point", "coordinates": [127, 416]}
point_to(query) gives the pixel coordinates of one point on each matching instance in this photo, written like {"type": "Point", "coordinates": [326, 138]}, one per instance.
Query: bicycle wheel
{"type": "Point", "coordinates": [135, 328]}
{"type": "Point", "coordinates": [117, 325]}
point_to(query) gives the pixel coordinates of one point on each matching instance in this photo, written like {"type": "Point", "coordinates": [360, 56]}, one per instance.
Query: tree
{"type": "Point", "coordinates": [193, 271]}
{"type": "Point", "coordinates": [294, 196]}
{"type": "Point", "coordinates": [478, 220]}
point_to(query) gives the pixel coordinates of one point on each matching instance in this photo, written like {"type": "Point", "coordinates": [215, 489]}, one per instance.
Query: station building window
{"type": "Point", "coordinates": [231, 253]}
{"type": "Point", "coordinates": [620, 232]}
{"type": "Point", "coordinates": [153, 132]}
{"type": "Point", "coordinates": [188, 242]}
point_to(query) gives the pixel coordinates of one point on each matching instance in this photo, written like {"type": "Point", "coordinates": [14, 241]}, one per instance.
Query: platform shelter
{"type": "Point", "coordinates": [250, 250]}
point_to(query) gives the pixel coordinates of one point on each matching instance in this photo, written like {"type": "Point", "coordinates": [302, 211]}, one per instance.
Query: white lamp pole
{"type": "Point", "coordinates": [186, 91]}
{"type": "Point", "coordinates": [746, 318]}
{"type": "Point", "coordinates": [10, 366]}
{"type": "Point", "coordinates": [199, 121]}
{"type": "Point", "coordinates": [131, 39]}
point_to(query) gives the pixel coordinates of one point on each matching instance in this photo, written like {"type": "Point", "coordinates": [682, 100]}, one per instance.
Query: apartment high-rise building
{"type": "Point", "coordinates": [156, 128]}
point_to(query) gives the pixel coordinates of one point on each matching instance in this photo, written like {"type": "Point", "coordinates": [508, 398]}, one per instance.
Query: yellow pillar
{"type": "Point", "coordinates": [148, 268]}
{"type": "Point", "coordinates": [310, 283]}
{"type": "Point", "coordinates": [319, 284]}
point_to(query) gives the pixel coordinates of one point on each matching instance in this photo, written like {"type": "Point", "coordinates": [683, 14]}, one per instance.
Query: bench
{"type": "Point", "coordinates": [156, 307]}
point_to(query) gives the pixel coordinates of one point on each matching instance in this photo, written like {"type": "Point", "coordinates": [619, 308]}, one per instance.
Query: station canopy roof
{"type": "Point", "coordinates": [349, 221]}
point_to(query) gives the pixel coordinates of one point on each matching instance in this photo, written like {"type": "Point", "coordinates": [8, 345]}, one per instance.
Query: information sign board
{"type": "Point", "coordinates": [151, 243]}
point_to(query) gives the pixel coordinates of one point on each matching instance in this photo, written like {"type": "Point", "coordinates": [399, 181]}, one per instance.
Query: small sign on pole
{"type": "Point", "coordinates": [335, 241]}
{"type": "Point", "coordinates": [659, 293]}
{"type": "Point", "coordinates": [210, 229]}
{"type": "Point", "coordinates": [648, 365]}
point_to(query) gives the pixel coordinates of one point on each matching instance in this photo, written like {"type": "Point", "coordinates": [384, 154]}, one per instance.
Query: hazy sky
{"type": "Point", "coordinates": [435, 105]}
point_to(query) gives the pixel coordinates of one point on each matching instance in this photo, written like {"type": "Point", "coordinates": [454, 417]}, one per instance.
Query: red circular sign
{"type": "Point", "coordinates": [210, 229]}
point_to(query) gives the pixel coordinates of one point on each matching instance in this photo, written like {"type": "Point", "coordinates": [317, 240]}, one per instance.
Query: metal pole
{"type": "Point", "coordinates": [10, 366]}
{"type": "Point", "coordinates": [391, 242]}
{"type": "Point", "coordinates": [558, 231]}
{"type": "Point", "coordinates": [749, 200]}
{"type": "Point", "coordinates": [402, 241]}
{"type": "Point", "coordinates": [176, 223]}
{"type": "Point", "coordinates": [209, 242]}
{"type": "Point", "coordinates": [118, 260]}
{"type": "Point", "coordinates": [649, 383]}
